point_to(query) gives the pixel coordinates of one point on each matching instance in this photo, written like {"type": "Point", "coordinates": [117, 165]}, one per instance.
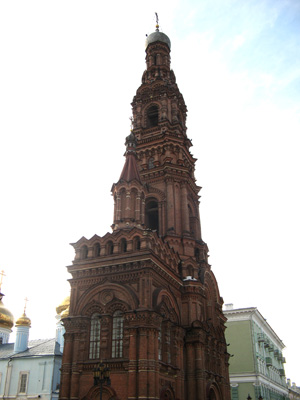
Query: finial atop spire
{"type": "Point", "coordinates": [1, 279]}
{"type": "Point", "coordinates": [26, 301]}
{"type": "Point", "coordinates": [157, 25]}
{"type": "Point", "coordinates": [131, 123]}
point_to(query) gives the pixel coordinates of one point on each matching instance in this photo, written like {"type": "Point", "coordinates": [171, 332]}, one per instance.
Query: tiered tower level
{"type": "Point", "coordinates": [143, 298]}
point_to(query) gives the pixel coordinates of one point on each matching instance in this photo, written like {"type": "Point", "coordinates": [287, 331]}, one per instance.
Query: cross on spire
{"type": "Point", "coordinates": [26, 301]}
{"type": "Point", "coordinates": [157, 24]}
{"type": "Point", "coordinates": [1, 279]}
{"type": "Point", "coordinates": [131, 123]}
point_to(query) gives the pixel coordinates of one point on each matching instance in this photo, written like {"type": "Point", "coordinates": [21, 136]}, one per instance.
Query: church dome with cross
{"type": "Point", "coordinates": [23, 320]}
{"type": "Point", "coordinates": [157, 36]}
{"type": "Point", "coordinates": [6, 321]}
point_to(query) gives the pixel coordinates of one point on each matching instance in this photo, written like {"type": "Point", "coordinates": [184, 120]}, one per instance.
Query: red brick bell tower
{"type": "Point", "coordinates": [143, 298]}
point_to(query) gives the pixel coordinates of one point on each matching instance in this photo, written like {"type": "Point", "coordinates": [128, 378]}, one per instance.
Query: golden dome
{"type": "Point", "coordinates": [23, 321]}
{"type": "Point", "coordinates": [65, 313]}
{"type": "Point", "coordinates": [6, 317]}
{"type": "Point", "coordinates": [64, 305]}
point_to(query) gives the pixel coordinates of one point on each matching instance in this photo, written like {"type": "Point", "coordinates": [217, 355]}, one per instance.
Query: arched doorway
{"type": "Point", "coordinates": [167, 394]}
{"type": "Point", "coordinates": [107, 393]}
{"type": "Point", "coordinates": [213, 392]}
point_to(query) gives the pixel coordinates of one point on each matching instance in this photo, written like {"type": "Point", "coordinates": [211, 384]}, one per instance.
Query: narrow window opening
{"type": "Point", "coordinates": [95, 337]}
{"type": "Point", "coordinates": [137, 243]}
{"type": "Point", "coordinates": [152, 117]}
{"type": "Point", "coordinates": [97, 250]}
{"type": "Point", "coordinates": [110, 248]}
{"type": "Point", "coordinates": [23, 383]}
{"type": "Point", "coordinates": [123, 246]}
{"type": "Point", "coordinates": [159, 344]}
{"type": "Point", "coordinates": [84, 252]}
{"type": "Point", "coordinates": [117, 335]}
{"type": "Point", "coordinates": [151, 211]}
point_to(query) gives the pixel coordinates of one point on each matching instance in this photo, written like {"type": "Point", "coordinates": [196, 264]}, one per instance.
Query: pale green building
{"type": "Point", "coordinates": [257, 364]}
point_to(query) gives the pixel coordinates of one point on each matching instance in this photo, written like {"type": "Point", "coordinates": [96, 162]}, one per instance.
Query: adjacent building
{"type": "Point", "coordinates": [256, 362]}
{"type": "Point", "coordinates": [294, 390]}
{"type": "Point", "coordinates": [28, 368]}
{"type": "Point", "coordinates": [144, 299]}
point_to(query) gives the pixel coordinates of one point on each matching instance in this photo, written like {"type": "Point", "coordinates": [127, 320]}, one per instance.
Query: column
{"type": "Point", "coordinates": [170, 206]}
{"type": "Point", "coordinates": [138, 208]}
{"type": "Point", "coordinates": [191, 392]}
{"type": "Point", "coordinates": [184, 210]}
{"type": "Point", "coordinates": [132, 365]}
{"type": "Point", "coordinates": [118, 213]}
{"type": "Point", "coordinates": [142, 364]}
{"type": "Point", "coordinates": [127, 205]}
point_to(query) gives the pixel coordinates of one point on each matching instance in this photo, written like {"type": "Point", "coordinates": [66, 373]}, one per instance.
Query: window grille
{"type": "Point", "coordinates": [159, 345]}
{"type": "Point", "coordinates": [117, 334]}
{"type": "Point", "coordinates": [95, 337]}
{"type": "Point", "coordinates": [23, 383]}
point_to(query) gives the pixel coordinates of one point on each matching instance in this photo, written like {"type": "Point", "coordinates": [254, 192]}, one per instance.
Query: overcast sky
{"type": "Point", "coordinates": [68, 73]}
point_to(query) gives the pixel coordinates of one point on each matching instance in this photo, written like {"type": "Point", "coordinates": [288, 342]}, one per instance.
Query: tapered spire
{"type": "Point", "coordinates": [130, 170]}
{"type": "Point", "coordinates": [129, 192]}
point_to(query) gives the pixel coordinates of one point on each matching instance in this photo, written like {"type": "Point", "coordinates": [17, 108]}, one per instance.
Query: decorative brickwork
{"type": "Point", "coordinates": [145, 291]}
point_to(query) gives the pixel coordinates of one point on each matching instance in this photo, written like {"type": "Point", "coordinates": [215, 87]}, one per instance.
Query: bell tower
{"type": "Point", "coordinates": [165, 163]}
{"type": "Point", "coordinates": [144, 301]}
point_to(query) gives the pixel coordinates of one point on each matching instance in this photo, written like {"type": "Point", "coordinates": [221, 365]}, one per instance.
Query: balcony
{"type": "Point", "coordinates": [260, 337]}
{"type": "Point", "coordinates": [281, 372]}
{"type": "Point", "coordinates": [269, 362]}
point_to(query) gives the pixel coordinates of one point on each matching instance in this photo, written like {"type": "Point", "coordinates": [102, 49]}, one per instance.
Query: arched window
{"type": "Point", "coordinates": [190, 271]}
{"type": "Point", "coordinates": [168, 344]}
{"type": "Point", "coordinates": [123, 246]}
{"type": "Point", "coordinates": [84, 252]}
{"type": "Point", "coordinates": [192, 221]}
{"type": "Point", "coordinates": [117, 335]}
{"type": "Point", "coordinates": [97, 250]}
{"type": "Point", "coordinates": [136, 243]}
{"type": "Point", "coordinates": [151, 211]}
{"type": "Point", "coordinates": [152, 116]}
{"type": "Point", "coordinates": [110, 248]}
{"type": "Point", "coordinates": [197, 254]}
{"type": "Point", "coordinates": [160, 343]}
{"type": "Point", "coordinates": [95, 337]}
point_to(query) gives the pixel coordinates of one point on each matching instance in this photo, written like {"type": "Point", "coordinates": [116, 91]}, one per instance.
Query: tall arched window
{"type": "Point", "coordinates": [152, 116]}
{"type": "Point", "coordinates": [95, 337]}
{"type": "Point", "coordinates": [136, 243]}
{"type": "Point", "coordinates": [160, 343]}
{"type": "Point", "coordinates": [123, 246]}
{"type": "Point", "coordinates": [151, 211]}
{"type": "Point", "coordinates": [97, 250]}
{"type": "Point", "coordinates": [110, 248]}
{"type": "Point", "coordinates": [190, 271]}
{"type": "Point", "coordinates": [192, 221]}
{"type": "Point", "coordinates": [84, 252]}
{"type": "Point", "coordinates": [168, 343]}
{"type": "Point", "coordinates": [117, 335]}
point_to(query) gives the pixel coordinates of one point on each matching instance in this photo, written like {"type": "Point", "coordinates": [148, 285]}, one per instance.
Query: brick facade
{"type": "Point", "coordinates": [143, 298]}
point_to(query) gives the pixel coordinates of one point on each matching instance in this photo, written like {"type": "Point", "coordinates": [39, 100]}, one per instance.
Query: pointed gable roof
{"type": "Point", "coordinates": [130, 170]}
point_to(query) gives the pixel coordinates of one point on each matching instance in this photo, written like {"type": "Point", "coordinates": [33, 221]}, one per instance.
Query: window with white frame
{"type": "Point", "coordinates": [95, 337]}
{"type": "Point", "coordinates": [23, 382]}
{"type": "Point", "coordinates": [117, 334]}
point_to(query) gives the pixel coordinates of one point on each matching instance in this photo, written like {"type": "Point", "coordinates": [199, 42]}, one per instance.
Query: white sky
{"type": "Point", "coordinates": [68, 73]}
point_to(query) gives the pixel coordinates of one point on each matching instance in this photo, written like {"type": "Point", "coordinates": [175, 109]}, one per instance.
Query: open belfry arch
{"type": "Point", "coordinates": [143, 298]}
